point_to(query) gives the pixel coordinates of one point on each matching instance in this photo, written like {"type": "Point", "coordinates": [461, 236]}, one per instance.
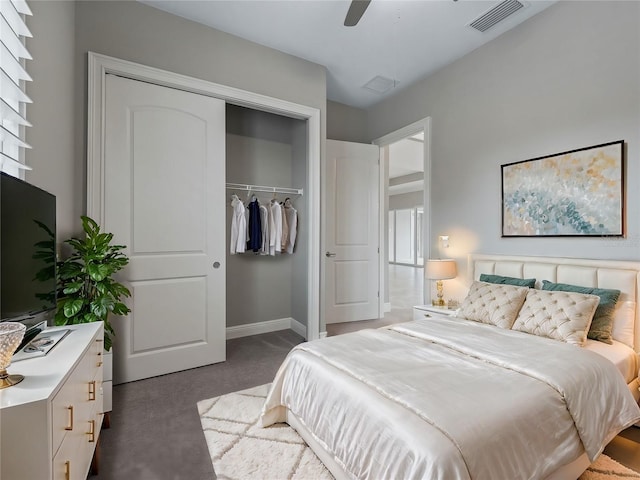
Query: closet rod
{"type": "Point", "coordinates": [264, 188]}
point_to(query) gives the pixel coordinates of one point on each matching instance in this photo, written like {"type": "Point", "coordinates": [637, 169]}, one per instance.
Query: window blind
{"type": "Point", "coordinates": [13, 78]}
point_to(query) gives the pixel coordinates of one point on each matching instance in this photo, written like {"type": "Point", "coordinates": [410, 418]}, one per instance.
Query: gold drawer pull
{"type": "Point", "coordinates": [92, 390]}
{"type": "Point", "coordinates": [70, 409]}
{"type": "Point", "coordinates": [99, 364]}
{"type": "Point", "coordinates": [67, 470]}
{"type": "Point", "coordinates": [92, 431]}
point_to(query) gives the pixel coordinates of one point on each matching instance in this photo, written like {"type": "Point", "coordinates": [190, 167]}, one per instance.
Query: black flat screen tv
{"type": "Point", "coordinates": [27, 252]}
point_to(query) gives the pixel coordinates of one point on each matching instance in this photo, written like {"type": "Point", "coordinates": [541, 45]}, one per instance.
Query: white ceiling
{"type": "Point", "coordinates": [403, 40]}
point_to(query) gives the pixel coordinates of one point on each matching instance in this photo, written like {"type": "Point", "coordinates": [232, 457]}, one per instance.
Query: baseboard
{"type": "Point", "coordinates": [387, 307]}
{"type": "Point", "coordinates": [299, 328]}
{"type": "Point", "coordinates": [266, 327]}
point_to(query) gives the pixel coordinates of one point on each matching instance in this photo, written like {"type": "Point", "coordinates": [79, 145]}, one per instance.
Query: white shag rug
{"type": "Point", "coordinates": [242, 450]}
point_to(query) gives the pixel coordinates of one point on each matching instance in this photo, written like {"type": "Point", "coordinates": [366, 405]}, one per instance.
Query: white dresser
{"type": "Point", "coordinates": [50, 422]}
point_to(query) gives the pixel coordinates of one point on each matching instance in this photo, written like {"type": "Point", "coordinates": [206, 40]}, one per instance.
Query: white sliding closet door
{"type": "Point", "coordinates": [164, 198]}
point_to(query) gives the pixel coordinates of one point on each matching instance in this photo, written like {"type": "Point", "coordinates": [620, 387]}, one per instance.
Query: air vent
{"type": "Point", "coordinates": [498, 13]}
{"type": "Point", "coordinates": [380, 84]}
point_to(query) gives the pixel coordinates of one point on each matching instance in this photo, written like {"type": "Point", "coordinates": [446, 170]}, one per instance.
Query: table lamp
{"type": "Point", "coordinates": [440, 270]}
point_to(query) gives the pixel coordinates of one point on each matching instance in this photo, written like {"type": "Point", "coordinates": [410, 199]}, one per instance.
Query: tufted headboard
{"type": "Point", "coordinates": [617, 274]}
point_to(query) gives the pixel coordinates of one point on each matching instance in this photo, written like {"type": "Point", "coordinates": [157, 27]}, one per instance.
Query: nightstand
{"type": "Point", "coordinates": [427, 311]}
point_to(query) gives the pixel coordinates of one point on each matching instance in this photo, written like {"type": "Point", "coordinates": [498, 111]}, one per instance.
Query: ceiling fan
{"type": "Point", "coordinates": [356, 10]}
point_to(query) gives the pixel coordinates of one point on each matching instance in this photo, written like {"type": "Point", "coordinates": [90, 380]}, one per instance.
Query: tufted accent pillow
{"type": "Point", "coordinates": [496, 304]}
{"type": "Point", "coordinates": [563, 316]}
{"type": "Point", "coordinates": [602, 323]}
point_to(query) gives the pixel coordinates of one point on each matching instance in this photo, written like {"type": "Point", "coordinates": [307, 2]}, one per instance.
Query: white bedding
{"type": "Point", "coordinates": [622, 356]}
{"type": "Point", "coordinates": [451, 399]}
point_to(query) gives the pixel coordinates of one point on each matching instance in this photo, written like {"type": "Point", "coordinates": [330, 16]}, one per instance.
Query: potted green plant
{"type": "Point", "coordinates": [87, 291]}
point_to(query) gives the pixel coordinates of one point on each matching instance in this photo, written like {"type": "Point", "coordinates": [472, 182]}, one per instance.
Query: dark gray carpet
{"type": "Point", "coordinates": [155, 430]}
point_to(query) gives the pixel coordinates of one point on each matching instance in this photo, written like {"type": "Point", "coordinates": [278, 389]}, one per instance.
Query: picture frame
{"type": "Point", "coordinates": [577, 193]}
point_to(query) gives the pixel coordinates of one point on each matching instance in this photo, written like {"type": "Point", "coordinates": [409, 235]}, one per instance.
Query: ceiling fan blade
{"type": "Point", "coordinates": [356, 10]}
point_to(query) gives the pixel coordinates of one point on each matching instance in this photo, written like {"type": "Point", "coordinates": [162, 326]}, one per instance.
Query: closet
{"type": "Point", "coordinates": [266, 292]}
{"type": "Point", "coordinates": [162, 148]}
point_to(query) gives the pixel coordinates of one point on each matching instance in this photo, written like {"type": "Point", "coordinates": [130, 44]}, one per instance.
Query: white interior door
{"type": "Point", "coordinates": [352, 231]}
{"type": "Point", "coordinates": [164, 173]}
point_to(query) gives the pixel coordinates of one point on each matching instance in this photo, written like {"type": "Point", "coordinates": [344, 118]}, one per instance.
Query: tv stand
{"type": "Point", "coordinates": [51, 420]}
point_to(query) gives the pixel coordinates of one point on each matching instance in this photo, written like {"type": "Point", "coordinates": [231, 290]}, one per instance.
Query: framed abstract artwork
{"type": "Point", "coordinates": [574, 193]}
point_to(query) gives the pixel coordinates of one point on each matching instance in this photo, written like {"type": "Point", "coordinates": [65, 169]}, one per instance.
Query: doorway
{"type": "Point", "coordinates": [404, 186]}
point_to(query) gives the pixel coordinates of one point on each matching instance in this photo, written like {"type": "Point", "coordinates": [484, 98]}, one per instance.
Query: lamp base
{"type": "Point", "coordinates": [7, 380]}
{"type": "Point", "coordinates": [439, 301]}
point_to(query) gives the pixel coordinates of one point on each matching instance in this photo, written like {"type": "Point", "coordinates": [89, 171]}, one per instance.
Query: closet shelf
{"type": "Point", "coordinates": [264, 188]}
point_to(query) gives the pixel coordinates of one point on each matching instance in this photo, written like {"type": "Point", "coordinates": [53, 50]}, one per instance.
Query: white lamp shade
{"type": "Point", "coordinates": [440, 269]}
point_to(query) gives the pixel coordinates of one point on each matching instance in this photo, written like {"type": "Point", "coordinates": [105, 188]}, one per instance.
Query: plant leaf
{"type": "Point", "coordinates": [120, 309]}
{"type": "Point", "coordinates": [72, 287]}
{"type": "Point", "coordinates": [72, 307]}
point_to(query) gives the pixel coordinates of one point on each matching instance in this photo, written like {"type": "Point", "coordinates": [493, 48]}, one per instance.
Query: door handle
{"type": "Point", "coordinates": [330, 254]}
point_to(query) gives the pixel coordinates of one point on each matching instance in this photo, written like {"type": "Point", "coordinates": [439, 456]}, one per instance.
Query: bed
{"type": "Point", "coordinates": [451, 398]}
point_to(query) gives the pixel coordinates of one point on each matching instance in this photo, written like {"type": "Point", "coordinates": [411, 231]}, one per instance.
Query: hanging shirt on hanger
{"type": "Point", "coordinates": [238, 240]}
{"type": "Point", "coordinates": [275, 227]}
{"type": "Point", "coordinates": [285, 231]}
{"type": "Point", "coordinates": [264, 221]}
{"type": "Point", "coordinates": [292, 221]}
{"type": "Point", "coordinates": [254, 242]}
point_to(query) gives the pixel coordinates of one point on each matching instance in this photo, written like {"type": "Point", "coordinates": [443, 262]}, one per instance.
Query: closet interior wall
{"type": "Point", "coordinates": [266, 149]}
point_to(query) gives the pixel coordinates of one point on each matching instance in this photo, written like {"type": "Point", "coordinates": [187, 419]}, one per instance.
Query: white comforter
{"type": "Point", "coordinates": [451, 399]}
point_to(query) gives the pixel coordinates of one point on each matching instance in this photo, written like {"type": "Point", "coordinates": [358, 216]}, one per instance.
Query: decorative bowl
{"type": "Point", "coordinates": [11, 334]}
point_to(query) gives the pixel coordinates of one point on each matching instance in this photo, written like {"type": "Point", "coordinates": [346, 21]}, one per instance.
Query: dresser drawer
{"type": "Point", "coordinates": [68, 403]}
{"type": "Point", "coordinates": [68, 463]}
{"type": "Point", "coordinates": [427, 311]}
{"type": "Point", "coordinates": [79, 398]}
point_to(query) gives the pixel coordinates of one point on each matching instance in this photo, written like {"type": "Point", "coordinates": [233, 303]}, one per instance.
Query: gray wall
{"type": "Point", "coordinates": [52, 114]}
{"type": "Point", "coordinates": [567, 78]}
{"type": "Point", "coordinates": [346, 123]}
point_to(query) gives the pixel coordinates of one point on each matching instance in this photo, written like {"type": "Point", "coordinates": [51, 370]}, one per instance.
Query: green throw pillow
{"type": "Point", "coordinates": [519, 282]}
{"type": "Point", "coordinates": [602, 322]}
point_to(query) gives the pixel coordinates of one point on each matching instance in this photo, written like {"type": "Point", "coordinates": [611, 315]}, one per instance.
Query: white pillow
{"type": "Point", "coordinates": [497, 304]}
{"type": "Point", "coordinates": [564, 316]}
{"type": "Point", "coordinates": [623, 322]}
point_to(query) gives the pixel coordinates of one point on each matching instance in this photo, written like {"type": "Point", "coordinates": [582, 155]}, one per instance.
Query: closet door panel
{"type": "Point", "coordinates": [177, 221]}
{"type": "Point", "coordinates": [146, 267]}
{"type": "Point", "coordinates": [158, 299]}
{"type": "Point", "coordinates": [164, 198]}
